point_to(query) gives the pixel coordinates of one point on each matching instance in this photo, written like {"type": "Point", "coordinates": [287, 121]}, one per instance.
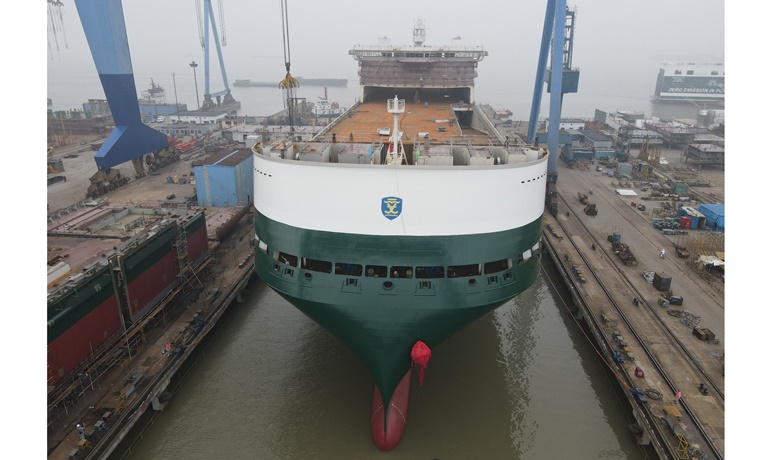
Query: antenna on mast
{"type": "Point", "coordinates": [396, 106]}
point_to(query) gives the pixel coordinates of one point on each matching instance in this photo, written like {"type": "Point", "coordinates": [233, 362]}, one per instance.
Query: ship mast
{"type": "Point", "coordinates": [396, 149]}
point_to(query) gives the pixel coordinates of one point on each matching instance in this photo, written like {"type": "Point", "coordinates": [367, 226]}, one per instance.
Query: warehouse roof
{"type": "Point", "coordinates": [225, 157]}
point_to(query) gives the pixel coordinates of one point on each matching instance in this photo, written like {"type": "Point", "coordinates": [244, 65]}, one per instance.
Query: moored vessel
{"type": "Point", "coordinates": [690, 82]}
{"type": "Point", "coordinates": [397, 226]}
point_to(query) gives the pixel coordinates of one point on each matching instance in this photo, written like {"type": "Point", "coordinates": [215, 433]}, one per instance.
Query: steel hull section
{"type": "Point", "coordinates": [72, 346]}
{"type": "Point", "coordinates": [149, 271]}
{"type": "Point", "coordinates": [151, 285]}
{"type": "Point", "coordinates": [197, 239]}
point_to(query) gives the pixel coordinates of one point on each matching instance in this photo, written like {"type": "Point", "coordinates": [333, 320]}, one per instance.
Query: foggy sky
{"type": "Point", "coordinates": [616, 41]}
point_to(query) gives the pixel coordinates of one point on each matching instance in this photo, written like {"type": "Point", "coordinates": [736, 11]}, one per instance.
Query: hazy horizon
{"type": "Point", "coordinates": [618, 46]}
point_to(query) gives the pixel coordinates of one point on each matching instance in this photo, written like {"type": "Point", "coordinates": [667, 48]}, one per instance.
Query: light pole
{"type": "Point", "coordinates": [193, 64]}
{"type": "Point", "coordinates": [173, 76]}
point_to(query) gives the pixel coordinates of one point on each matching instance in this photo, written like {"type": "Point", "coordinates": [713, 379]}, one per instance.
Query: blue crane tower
{"type": "Point", "coordinates": [561, 77]}
{"type": "Point", "coordinates": [224, 96]}
{"type": "Point", "coordinates": [105, 30]}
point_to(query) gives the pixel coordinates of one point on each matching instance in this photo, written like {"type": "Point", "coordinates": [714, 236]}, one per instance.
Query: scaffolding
{"type": "Point", "coordinates": [187, 276]}
{"type": "Point", "coordinates": [681, 450]}
{"type": "Point", "coordinates": [705, 243]}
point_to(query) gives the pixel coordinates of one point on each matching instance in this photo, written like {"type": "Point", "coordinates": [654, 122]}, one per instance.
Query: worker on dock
{"type": "Point", "coordinates": [81, 431]}
{"type": "Point", "coordinates": [662, 253]}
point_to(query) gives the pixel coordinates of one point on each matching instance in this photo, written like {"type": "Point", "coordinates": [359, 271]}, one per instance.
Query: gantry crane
{"type": "Point", "coordinates": [558, 29]}
{"type": "Point", "coordinates": [105, 30]}
{"type": "Point", "coordinates": [224, 96]}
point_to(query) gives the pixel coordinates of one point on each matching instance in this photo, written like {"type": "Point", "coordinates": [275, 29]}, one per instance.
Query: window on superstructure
{"type": "Point", "coordinates": [400, 272]}
{"type": "Point", "coordinates": [677, 72]}
{"type": "Point", "coordinates": [429, 272]}
{"type": "Point", "coordinates": [690, 72]}
{"type": "Point", "coordinates": [714, 72]}
{"type": "Point", "coordinates": [317, 265]}
{"type": "Point", "coordinates": [376, 271]}
{"type": "Point", "coordinates": [461, 271]}
{"type": "Point", "coordinates": [348, 269]}
{"type": "Point", "coordinates": [497, 266]}
{"type": "Point", "coordinates": [286, 258]}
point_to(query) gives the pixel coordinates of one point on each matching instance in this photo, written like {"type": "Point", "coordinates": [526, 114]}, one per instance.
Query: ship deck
{"type": "Point", "coordinates": [362, 122]}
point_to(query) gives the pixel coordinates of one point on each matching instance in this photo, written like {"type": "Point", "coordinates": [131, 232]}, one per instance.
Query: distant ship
{"type": "Point", "coordinates": [690, 83]}
{"type": "Point", "coordinates": [155, 94]}
{"type": "Point", "coordinates": [302, 81]}
{"type": "Point", "coordinates": [401, 223]}
{"type": "Point", "coordinates": [153, 105]}
{"type": "Point", "coordinates": [324, 108]}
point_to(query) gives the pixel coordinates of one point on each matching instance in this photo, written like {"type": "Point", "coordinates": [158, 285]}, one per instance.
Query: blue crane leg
{"type": "Point", "coordinates": [554, 111]}
{"type": "Point", "coordinates": [207, 86]}
{"type": "Point", "coordinates": [105, 30]}
{"type": "Point", "coordinates": [545, 44]}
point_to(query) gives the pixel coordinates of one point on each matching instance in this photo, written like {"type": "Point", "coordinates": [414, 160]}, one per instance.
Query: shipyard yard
{"type": "Point", "coordinates": [646, 336]}
{"type": "Point", "coordinates": [222, 285]}
{"type": "Point", "coordinates": [661, 340]}
{"type": "Point", "coordinates": [169, 253]}
{"type": "Point", "coordinates": [129, 368]}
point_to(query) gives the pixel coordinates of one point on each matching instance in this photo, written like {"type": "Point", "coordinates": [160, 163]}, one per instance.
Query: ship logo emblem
{"type": "Point", "coordinates": [391, 207]}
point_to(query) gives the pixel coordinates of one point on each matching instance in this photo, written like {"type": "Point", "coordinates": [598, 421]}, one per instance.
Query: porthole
{"type": "Point", "coordinates": [471, 282]}
{"type": "Point", "coordinates": [308, 276]}
{"type": "Point", "coordinates": [387, 285]}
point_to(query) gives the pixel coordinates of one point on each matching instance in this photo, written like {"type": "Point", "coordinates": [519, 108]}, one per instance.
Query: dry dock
{"type": "Point", "coordinates": [653, 350]}
{"type": "Point", "coordinates": [645, 346]}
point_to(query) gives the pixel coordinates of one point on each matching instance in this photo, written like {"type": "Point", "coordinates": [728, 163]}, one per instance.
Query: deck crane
{"type": "Point", "coordinates": [558, 29]}
{"type": "Point", "coordinates": [224, 96]}
{"type": "Point", "coordinates": [289, 84]}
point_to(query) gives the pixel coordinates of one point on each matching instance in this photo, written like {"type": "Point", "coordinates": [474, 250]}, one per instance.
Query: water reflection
{"type": "Point", "coordinates": [519, 383]}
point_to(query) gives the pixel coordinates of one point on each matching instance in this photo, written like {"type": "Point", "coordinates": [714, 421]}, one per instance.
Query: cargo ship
{"type": "Point", "coordinates": [302, 82]}
{"type": "Point", "coordinates": [690, 83]}
{"type": "Point", "coordinates": [401, 222]}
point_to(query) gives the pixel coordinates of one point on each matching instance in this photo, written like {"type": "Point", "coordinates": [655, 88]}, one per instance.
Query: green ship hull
{"type": "Point", "coordinates": [380, 317]}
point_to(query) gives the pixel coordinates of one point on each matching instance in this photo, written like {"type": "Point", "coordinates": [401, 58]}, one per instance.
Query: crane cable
{"type": "Point", "coordinates": [289, 83]}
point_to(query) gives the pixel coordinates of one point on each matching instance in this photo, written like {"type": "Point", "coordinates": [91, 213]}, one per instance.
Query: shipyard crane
{"type": "Point", "coordinates": [56, 25]}
{"type": "Point", "coordinates": [105, 30]}
{"type": "Point", "coordinates": [224, 96]}
{"type": "Point", "coordinates": [561, 76]}
{"type": "Point", "coordinates": [289, 84]}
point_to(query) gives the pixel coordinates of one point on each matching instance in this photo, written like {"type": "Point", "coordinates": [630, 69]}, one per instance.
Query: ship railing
{"type": "Point", "coordinates": [327, 128]}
